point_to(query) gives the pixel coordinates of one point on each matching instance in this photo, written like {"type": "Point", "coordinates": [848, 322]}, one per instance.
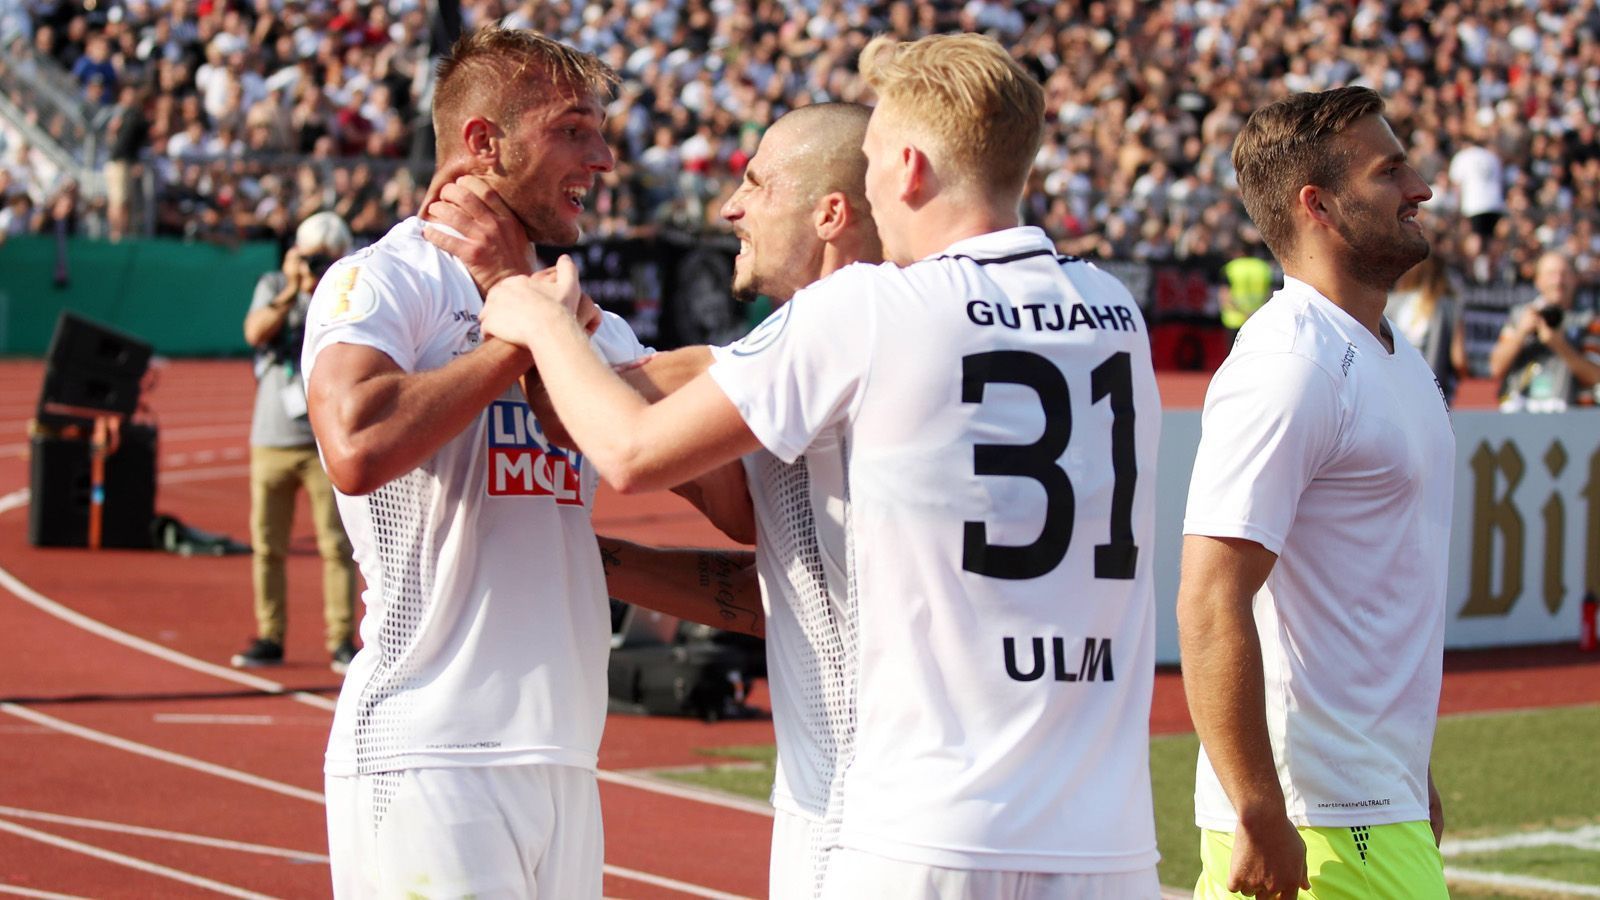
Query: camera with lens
{"type": "Point", "coordinates": [1552, 315]}
{"type": "Point", "coordinates": [319, 263]}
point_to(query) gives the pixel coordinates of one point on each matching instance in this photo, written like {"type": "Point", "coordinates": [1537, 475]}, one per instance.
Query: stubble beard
{"type": "Point", "coordinates": [1377, 259]}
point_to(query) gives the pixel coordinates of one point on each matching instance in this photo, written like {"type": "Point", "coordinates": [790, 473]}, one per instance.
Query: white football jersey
{"type": "Point", "coordinates": [1325, 448]}
{"type": "Point", "coordinates": [487, 627]}
{"type": "Point", "coordinates": [997, 420]}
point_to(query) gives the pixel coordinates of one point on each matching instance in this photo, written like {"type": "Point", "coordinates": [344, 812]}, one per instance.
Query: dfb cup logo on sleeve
{"type": "Point", "coordinates": [522, 464]}
{"type": "Point", "coordinates": [353, 300]}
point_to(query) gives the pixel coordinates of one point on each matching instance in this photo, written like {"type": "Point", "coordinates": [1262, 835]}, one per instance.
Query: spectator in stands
{"type": "Point", "coordinates": [283, 453]}
{"type": "Point", "coordinates": [1143, 98]}
{"type": "Point", "coordinates": [1423, 307]}
{"type": "Point", "coordinates": [1547, 357]}
{"type": "Point", "coordinates": [129, 132]}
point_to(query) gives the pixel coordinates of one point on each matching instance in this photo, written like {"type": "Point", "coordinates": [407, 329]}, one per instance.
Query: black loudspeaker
{"type": "Point", "coordinates": [58, 513]}
{"type": "Point", "coordinates": [90, 370]}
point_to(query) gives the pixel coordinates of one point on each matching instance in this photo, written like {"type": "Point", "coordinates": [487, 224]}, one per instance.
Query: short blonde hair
{"type": "Point", "coordinates": [494, 72]}
{"type": "Point", "coordinates": [982, 111]}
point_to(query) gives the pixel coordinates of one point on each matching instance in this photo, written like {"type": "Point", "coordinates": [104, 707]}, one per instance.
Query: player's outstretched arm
{"type": "Point", "coordinates": [375, 422]}
{"type": "Point", "coordinates": [636, 446]}
{"type": "Point", "coordinates": [722, 494]}
{"type": "Point", "coordinates": [712, 587]}
{"type": "Point", "coordinates": [1222, 679]}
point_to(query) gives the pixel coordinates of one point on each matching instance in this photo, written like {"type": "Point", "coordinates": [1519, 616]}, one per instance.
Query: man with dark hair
{"type": "Point", "coordinates": [461, 761]}
{"type": "Point", "coordinates": [1314, 682]}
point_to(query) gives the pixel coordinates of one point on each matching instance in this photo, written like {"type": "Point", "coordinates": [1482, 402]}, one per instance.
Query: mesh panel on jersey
{"type": "Point", "coordinates": [826, 651]}
{"type": "Point", "coordinates": [406, 554]}
{"type": "Point", "coordinates": [384, 786]}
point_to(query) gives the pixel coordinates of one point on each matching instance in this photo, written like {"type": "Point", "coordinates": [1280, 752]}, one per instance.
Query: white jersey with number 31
{"type": "Point", "coordinates": [999, 419]}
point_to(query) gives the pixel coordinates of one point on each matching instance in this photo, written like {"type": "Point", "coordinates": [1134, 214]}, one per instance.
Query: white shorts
{"type": "Point", "coordinates": [853, 875]}
{"type": "Point", "coordinates": [486, 832]}
{"type": "Point", "coordinates": [798, 857]}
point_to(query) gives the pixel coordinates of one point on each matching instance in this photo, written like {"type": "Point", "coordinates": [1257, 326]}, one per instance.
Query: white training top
{"type": "Point", "coordinates": [1338, 456]}
{"type": "Point", "coordinates": [810, 629]}
{"type": "Point", "coordinates": [999, 424]}
{"type": "Point", "coordinates": [487, 627]}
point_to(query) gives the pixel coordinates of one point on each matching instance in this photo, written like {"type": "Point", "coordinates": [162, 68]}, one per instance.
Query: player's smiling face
{"type": "Point", "coordinates": [1378, 204]}
{"type": "Point", "coordinates": [779, 251]}
{"type": "Point", "coordinates": [551, 159]}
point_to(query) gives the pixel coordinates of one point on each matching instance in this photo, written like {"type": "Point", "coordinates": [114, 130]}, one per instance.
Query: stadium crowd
{"type": "Point", "coordinates": [252, 114]}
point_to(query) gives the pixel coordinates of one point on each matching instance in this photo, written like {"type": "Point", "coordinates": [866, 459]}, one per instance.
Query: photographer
{"type": "Point", "coordinates": [283, 453]}
{"type": "Point", "coordinates": [1547, 357]}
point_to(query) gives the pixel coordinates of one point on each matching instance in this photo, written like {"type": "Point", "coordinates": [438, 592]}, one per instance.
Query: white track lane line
{"type": "Point", "coordinates": [177, 759]}
{"type": "Point", "coordinates": [15, 891]}
{"type": "Point", "coordinates": [684, 887]}
{"type": "Point", "coordinates": [130, 861]}
{"type": "Point", "coordinates": [34, 815]}
{"type": "Point", "coordinates": [94, 626]}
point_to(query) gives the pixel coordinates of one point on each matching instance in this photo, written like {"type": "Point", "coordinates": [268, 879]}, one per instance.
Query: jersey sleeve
{"type": "Point", "coordinates": [616, 342]}
{"type": "Point", "coordinates": [806, 366]}
{"type": "Point", "coordinates": [361, 301]}
{"type": "Point", "coordinates": [1270, 422]}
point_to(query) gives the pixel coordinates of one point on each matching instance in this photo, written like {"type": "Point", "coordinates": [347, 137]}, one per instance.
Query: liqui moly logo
{"type": "Point", "coordinates": [523, 464]}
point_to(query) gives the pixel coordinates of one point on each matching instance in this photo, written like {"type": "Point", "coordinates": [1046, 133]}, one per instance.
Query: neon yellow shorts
{"type": "Point", "coordinates": [1376, 862]}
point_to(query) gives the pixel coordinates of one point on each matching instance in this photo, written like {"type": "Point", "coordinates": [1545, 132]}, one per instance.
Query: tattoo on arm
{"type": "Point", "coordinates": [718, 573]}
{"type": "Point", "coordinates": [609, 559]}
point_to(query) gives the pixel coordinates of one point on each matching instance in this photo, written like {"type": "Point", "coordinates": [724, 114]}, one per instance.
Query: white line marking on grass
{"type": "Point", "coordinates": [684, 792]}
{"type": "Point", "coordinates": [209, 719]}
{"type": "Point", "coordinates": [177, 759]}
{"type": "Point", "coordinates": [175, 836]}
{"type": "Point", "coordinates": [30, 892]}
{"type": "Point", "coordinates": [1584, 838]}
{"type": "Point", "coordinates": [694, 890]}
{"type": "Point", "coordinates": [1520, 882]}
{"type": "Point", "coordinates": [130, 861]}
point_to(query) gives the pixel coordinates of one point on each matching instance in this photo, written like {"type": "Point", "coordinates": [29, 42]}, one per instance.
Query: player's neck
{"type": "Point", "coordinates": [1362, 301]}
{"type": "Point", "coordinates": [947, 219]}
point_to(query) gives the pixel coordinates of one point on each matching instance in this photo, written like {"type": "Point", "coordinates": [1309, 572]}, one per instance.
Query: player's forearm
{"type": "Point", "coordinates": [712, 587]}
{"type": "Point", "coordinates": [614, 427]}
{"type": "Point", "coordinates": [723, 496]}
{"type": "Point", "coordinates": [387, 425]}
{"type": "Point", "coordinates": [1222, 679]}
{"type": "Point", "coordinates": [659, 374]}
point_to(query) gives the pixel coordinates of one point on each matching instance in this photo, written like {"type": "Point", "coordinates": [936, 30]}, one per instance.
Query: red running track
{"type": "Point", "coordinates": [136, 764]}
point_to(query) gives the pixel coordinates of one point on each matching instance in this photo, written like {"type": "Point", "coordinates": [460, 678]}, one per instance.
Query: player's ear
{"type": "Point", "coordinates": [1316, 203]}
{"type": "Point", "coordinates": [482, 138]}
{"type": "Point", "coordinates": [831, 216]}
{"type": "Point", "coordinates": [916, 174]}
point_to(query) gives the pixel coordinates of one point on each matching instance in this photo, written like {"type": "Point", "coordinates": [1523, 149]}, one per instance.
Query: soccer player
{"type": "Point", "coordinates": [996, 420]}
{"type": "Point", "coordinates": [1311, 604]}
{"type": "Point", "coordinates": [800, 214]}
{"type": "Point", "coordinates": [461, 761]}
